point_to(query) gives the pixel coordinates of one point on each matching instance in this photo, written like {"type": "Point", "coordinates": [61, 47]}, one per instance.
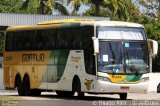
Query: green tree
{"type": "Point", "coordinates": [115, 9]}
{"type": "Point", "coordinates": [8, 5]}
{"type": "Point", "coordinates": [153, 31]}
{"type": "Point", "coordinates": [14, 6]}
{"type": "Point", "coordinates": [1, 41]}
{"type": "Point", "coordinates": [46, 6]}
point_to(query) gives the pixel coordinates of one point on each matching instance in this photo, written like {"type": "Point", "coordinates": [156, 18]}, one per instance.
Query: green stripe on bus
{"type": "Point", "coordinates": [59, 58]}
{"type": "Point", "coordinates": [65, 25]}
{"type": "Point", "coordinates": [133, 78]}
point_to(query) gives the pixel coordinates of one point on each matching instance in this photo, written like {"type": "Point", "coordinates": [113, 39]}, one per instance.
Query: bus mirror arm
{"type": "Point", "coordinates": [96, 45]}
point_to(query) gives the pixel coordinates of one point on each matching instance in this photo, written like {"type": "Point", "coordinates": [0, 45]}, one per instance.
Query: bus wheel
{"type": "Point", "coordinates": [35, 92]}
{"type": "Point", "coordinates": [26, 85]}
{"type": "Point", "coordinates": [19, 86]}
{"type": "Point", "coordinates": [158, 88]}
{"type": "Point", "coordinates": [77, 88]}
{"type": "Point", "coordinates": [123, 96]}
{"type": "Point", "coordinates": [79, 93]}
{"type": "Point", "coordinates": [65, 93]}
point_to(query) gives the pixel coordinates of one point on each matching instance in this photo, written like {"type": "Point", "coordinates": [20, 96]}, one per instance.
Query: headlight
{"type": "Point", "coordinates": [104, 79]}
{"type": "Point", "coordinates": [145, 79]}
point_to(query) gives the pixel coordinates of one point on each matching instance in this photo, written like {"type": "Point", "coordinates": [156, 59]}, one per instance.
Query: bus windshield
{"type": "Point", "coordinates": [136, 56]}
{"type": "Point", "coordinates": [123, 56]}
{"type": "Point", "coordinates": [110, 58]}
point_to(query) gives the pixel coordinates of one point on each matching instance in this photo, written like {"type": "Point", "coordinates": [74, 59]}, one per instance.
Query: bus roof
{"type": "Point", "coordinates": [18, 28]}
{"type": "Point", "coordinates": [75, 22]}
{"type": "Point", "coordinates": [64, 21]}
{"type": "Point", "coordinates": [117, 23]}
{"type": "Point", "coordinates": [102, 22]}
{"type": "Point", "coordinates": [92, 22]}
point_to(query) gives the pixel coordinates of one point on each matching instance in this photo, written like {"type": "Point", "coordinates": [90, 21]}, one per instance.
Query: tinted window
{"type": "Point", "coordinates": [47, 39]}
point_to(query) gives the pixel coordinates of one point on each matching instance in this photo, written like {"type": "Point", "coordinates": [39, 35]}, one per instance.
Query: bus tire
{"type": "Point", "coordinates": [76, 87]}
{"type": "Point", "coordinates": [19, 85]}
{"type": "Point", "coordinates": [79, 93]}
{"type": "Point", "coordinates": [158, 88]}
{"type": "Point", "coordinates": [65, 93]}
{"type": "Point", "coordinates": [36, 92]}
{"type": "Point", "coordinates": [26, 85]}
{"type": "Point", "coordinates": [123, 96]}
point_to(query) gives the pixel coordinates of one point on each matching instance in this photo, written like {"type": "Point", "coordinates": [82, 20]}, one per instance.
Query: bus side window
{"type": "Point", "coordinates": [28, 40]}
{"type": "Point", "coordinates": [61, 39]}
{"type": "Point", "coordinates": [20, 45]}
{"type": "Point", "coordinates": [9, 41]}
{"type": "Point", "coordinates": [50, 44]}
{"type": "Point", "coordinates": [77, 40]}
{"type": "Point", "coordinates": [15, 42]}
{"type": "Point", "coordinates": [45, 39]}
{"type": "Point", "coordinates": [37, 40]}
{"type": "Point", "coordinates": [65, 39]}
{"type": "Point", "coordinates": [54, 39]}
{"type": "Point", "coordinates": [40, 40]}
{"type": "Point", "coordinates": [87, 46]}
{"type": "Point", "coordinates": [70, 37]}
{"type": "Point", "coordinates": [58, 39]}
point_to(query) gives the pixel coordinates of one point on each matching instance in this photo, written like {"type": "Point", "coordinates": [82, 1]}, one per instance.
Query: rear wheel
{"type": "Point", "coordinates": [36, 92]}
{"type": "Point", "coordinates": [26, 85]}
{"type": "Point", "coordinates": [65, 93]}
{"type": "Point", "coordinates": [123, 96]}
{"type": "Point", "coordinates": [19, 86]}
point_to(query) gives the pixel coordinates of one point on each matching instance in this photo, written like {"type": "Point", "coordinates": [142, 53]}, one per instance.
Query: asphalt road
{"type": "Point", "coordinates": [51, 99]}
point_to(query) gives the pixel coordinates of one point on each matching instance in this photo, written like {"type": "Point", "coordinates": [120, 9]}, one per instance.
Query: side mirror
{"type": "Point", "coordinates": [153, 47]}
{"type": "Point", "coordinates": [96, 45]}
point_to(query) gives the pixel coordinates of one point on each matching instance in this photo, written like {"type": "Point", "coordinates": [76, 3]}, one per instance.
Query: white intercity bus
{"type": "Point", "coordinates": [78, 55]}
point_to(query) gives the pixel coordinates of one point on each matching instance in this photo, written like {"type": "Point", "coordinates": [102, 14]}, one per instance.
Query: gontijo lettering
{"type": "Point", "coordinates": [33, 57]}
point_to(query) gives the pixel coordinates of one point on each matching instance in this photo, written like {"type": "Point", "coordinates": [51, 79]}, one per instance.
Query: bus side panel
{"type": "Point", "coordinates": [75, 66]}
{"type": "Point", "coordinates": [62, 68]}
{"type": "Point", "coordinates": [10, 72]}
{"type": "Point", "coordinates": [6, 76]}
{"type": "Point", "coordinates": [42, 77]}
{"type": "Point", "coordinates": [55, 68]}
{"type": "Point", "coordinates": [33, 64]}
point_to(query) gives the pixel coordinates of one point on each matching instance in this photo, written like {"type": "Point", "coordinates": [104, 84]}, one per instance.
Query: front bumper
{"type": "Point", "coordinates": [108, 87]}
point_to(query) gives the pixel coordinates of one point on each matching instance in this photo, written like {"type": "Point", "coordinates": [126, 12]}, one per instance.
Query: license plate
{"type": "Point", "coordinates": [124, 87]}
